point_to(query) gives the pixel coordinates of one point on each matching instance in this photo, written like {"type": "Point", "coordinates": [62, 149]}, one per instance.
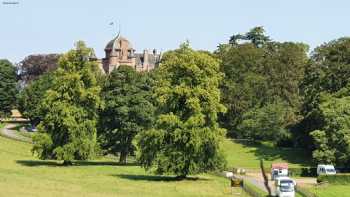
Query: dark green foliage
{"type": "Point", "coordinates": [328, 72]}
{"type": "Point", "coordinates": [186, 137]}
{"type": "Point", "coordinates": [128, 110]}
{"type": "Point", "coordinates": [68, 129]}
{"type": "Point", "coordinates": [33, 66]}
{"type": "Point", "coordinates": [325, 107]}
{"type": "Point", "coordinates": [256, 36]}
{"type": "Point", "coordinates": [303, 172]}
{"type": "Point", "coordinates": [343, 179]}
{"type": "Point", "coordinates": [261, 78]}
{"type": "Point", "coordinates": [266, 123]}
{"type": "Point", "coordinates": [331, 140]}
{"type": "Point", "coordinates": [30, 98]}
{"type": "Point", "coordinates": [8, 87]}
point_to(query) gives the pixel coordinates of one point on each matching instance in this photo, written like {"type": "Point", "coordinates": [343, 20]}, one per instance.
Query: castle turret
{"type": "Point", "coordinates": [119, 51]}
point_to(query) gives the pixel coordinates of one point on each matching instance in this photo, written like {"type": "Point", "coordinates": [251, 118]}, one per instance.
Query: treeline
{"type": "Point", "coordinates": [175, 117]}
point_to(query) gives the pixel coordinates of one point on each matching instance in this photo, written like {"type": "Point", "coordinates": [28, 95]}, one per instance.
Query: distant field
{"type": "Point", "coordinates": [21, 175]}
{"type": "Point", "coordinates": [248, 156]}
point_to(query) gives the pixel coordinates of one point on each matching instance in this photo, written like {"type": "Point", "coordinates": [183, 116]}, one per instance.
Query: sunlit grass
{"type": "Point", "coordinates": [332, 191]}
{"type": "Point", "coordinates": [248, 156]}
{"type": "Point", "coordinates": [21, 174]}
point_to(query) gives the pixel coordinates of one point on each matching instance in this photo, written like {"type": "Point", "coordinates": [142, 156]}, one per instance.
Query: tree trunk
{"type": "Point", "coordinates": [266, 180]}
{"type": "Point", "coordinates": [123, 156]}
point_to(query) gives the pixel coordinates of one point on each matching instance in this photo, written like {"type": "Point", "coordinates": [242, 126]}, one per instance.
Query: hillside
{"type": "Point", "coordinates": [248, 156]}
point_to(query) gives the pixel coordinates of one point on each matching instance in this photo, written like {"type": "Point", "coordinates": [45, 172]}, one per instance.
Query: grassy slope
{"type": "Point", "coordinates": [240, 155]}
{"type": "Point", "coordinates": [22, 175]}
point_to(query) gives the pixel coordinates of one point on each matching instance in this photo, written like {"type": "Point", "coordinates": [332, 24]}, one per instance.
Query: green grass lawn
{"type": "Point", "coordinates": [23, 175]}
{"type": "Point", "coordinates": [333, 191]}
{"type": "Point", "coordinates": [248, 156]}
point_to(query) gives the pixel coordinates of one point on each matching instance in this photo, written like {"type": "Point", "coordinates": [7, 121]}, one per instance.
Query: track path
{"type": "Point", "coordinates": [10, 132]}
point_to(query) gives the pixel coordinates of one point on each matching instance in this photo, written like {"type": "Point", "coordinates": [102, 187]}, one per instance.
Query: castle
{"type": "Point", "coordinates": [119, 51]}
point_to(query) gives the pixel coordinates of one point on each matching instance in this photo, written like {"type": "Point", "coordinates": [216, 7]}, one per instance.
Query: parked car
{"type": "Point", "coordinates": [326, 169]}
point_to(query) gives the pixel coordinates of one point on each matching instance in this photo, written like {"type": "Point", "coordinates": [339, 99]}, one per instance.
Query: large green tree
{"type": "Point", "coordinates": [332, 139]}
{"type": "Point", "coordinates": [8, 87]}
{"type": "Point", "coordinates": [68, 130]}
{"type": "Point", "coordinates": [258, 73]}
{"type": "Point", "coordinates": [327, 73]}
{"type": "Point", "coordinates": [186, 136]}
{"type": "Point", "coordinates": [128, 110]}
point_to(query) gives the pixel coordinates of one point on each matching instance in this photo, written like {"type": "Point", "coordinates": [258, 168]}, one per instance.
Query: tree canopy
{"type": "Point", "coordinates": [128, 110]}
{"type": "Point", "coordinates": [68, 129]}
{"type": "Point", "coordinates": [325, 91]}
{"type": "Point", "coordinates": [34, 66]}
{"type": "Point", "coordinates": [8, 87]}
{"type": "Point", "coordinates": [30, 98]}
{"type": "Point", "coordinates": [261, 75]}
{"type": "Point", "coordinates": [186, 136]}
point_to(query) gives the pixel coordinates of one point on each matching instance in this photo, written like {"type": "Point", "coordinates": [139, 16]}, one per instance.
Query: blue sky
{"type": "Point", "coordinates": [42, 26]}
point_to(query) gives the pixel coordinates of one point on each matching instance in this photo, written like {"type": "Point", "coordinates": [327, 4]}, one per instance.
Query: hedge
{"type": "Point", "coordinates": [334, 179]}
{"type": "Point", "coordinates": [303, 172]}
{"type": "Point", "coordinates": [253, 190]}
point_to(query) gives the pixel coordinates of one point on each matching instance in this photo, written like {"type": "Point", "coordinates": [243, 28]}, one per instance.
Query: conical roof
{"type": "Point", "coordinates": [117, 42]}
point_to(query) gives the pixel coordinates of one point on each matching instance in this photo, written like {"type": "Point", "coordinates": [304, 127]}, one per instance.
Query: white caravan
{"type": "Point", "coordinates": [285, 187]}
{"type": "Point", "coordinates": [325, 170]}
{"type": "Point", "coordinates": [279, 170]}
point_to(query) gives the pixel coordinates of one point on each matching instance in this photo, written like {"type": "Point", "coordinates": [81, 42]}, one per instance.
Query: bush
{"type": "Point", "coordinates": [334, 179]}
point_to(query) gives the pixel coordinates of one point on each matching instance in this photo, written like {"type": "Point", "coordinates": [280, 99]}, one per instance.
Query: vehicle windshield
{"type": "Point", "coordinates": [287, 186]}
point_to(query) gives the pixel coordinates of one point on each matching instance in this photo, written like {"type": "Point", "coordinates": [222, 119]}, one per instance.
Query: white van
{"type": "Point", "coordinates": [325, 170]}
{"type": "Point", "coordinates": [285, 187]}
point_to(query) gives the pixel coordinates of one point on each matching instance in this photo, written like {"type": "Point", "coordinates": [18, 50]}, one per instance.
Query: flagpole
{"type": "Point", "coordinates": [117, 27]}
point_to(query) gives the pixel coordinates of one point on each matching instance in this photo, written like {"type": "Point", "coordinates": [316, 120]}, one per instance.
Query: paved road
{"type": "Point", "coordinates": [257, 180]}
{"type": "Point", "coordinates": [10, 132]}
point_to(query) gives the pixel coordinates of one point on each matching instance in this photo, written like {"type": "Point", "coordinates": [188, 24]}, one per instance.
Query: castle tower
{"type": "Point", "coordinates": [119, 51]}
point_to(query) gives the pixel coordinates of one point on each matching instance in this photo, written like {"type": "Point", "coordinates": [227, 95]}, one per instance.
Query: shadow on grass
{"type": "Point", "coordinates": [269, 152]}
{"type": "Point", "coordinates": [157, 178]}
{"type": "Point", "coordinates": [34, 163]}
